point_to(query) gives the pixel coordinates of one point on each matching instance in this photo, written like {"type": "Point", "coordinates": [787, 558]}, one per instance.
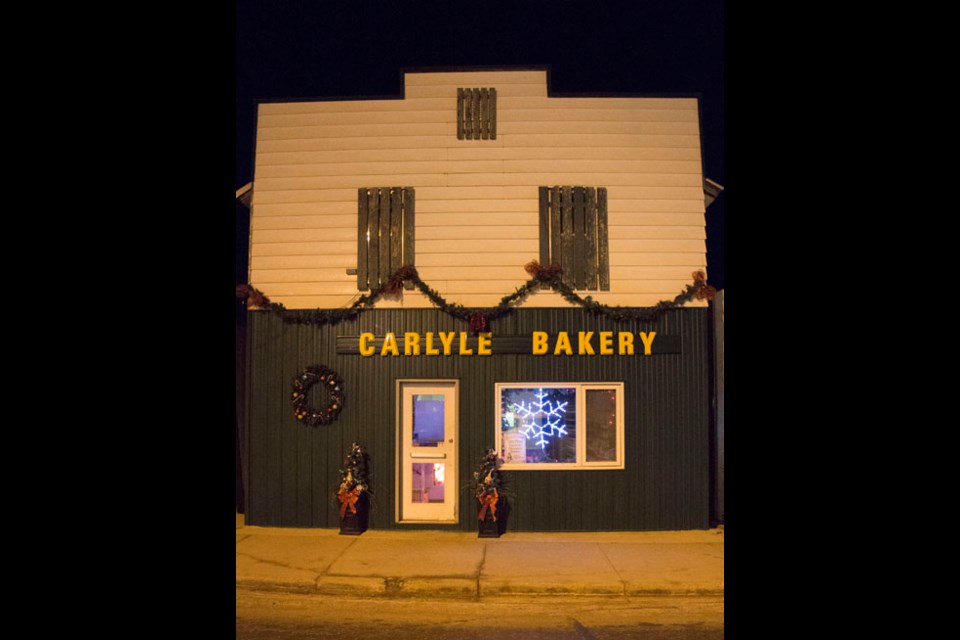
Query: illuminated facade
{"type": "Point", "coordinates": [395, 240]}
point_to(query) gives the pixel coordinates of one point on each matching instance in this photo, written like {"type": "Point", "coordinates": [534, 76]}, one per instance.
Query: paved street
{"type": "Point", "coordinates": [287, 616]}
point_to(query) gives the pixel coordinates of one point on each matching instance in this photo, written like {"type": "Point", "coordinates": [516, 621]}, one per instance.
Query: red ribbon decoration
{"type": "Point", "coordinates": [489, 500]}
{"type": "Point", "coordinates": [549, 271]}
{"type": "Point", "coordinates": [479, 323]}
{"type": "Point", "coordinates": [348, 499]}
{"type": "Point", "coordinates": [253, 296]}
{"type": "Point", "coordinates": [704, 291]}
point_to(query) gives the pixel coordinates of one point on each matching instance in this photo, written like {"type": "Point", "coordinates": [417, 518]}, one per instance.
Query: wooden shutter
{"type": "Point", "coordinates": [460, 99]}
{"type": "Point", "coordinates": [579, 239]}
{"type": "Point", "coordinates": [590, 238]}
{"type": "Point", "coordinates": [573, 234]}
{"type": "Point", "coordinates": [369, 257]}
{"type": "Point", "coordinates": [385, 234]}
{"type": "Point", "coordinates": [567, 246]}
{"type": "Point", "coordinates": [544, 225]}
{"type": "Point", "coordinates": [493, 114]}
{"type": "Point", "coordinates": [603, 250]}
{"type": "Point", "coordinates": [476, 114]}
{"type": "Point", "coordinates": [362, 240]}
{"type": "Point", "coordinates": [556, 254]}
{"type": "Point", "coordinates": [409, 221]}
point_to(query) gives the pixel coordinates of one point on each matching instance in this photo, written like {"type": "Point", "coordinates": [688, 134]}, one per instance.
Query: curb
{"type": "Point", "coordinates": [457, 588]}
{"type": "Point", "coordinates": [503, 588]}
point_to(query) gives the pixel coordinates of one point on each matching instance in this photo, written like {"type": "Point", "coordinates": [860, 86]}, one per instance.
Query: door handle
{"type": "Point", "coordinates": [427, 455]}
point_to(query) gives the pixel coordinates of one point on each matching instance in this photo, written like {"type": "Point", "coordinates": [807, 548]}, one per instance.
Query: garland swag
{"type": "Point", "coordinates": [542, 277]}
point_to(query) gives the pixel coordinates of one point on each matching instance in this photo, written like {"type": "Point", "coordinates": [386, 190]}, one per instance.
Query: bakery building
{"type": "Point", "coordinates": [477, 264]}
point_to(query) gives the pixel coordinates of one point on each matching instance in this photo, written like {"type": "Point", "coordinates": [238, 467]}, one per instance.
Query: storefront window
{"type": "Point", "coordinates": [538, 425]}
{"type": "Point", "coordinates": [601, 417]}
{"type": "Point", "coordinates": [560, 425]}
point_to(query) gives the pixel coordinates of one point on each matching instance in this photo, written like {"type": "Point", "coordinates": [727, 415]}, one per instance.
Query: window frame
{"type": "Point", "coordinates": [581, 463]}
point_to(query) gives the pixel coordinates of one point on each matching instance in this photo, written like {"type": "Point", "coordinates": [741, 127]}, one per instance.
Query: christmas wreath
{"type": "Point", "coordinates": [328, 379]}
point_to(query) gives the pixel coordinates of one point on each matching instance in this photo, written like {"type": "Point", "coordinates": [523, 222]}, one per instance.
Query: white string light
{"type": "Point", "coordinates": [540, 420]}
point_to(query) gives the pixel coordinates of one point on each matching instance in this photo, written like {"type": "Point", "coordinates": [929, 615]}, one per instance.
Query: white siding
{"type": "Point", "coordinates": [477, 207]}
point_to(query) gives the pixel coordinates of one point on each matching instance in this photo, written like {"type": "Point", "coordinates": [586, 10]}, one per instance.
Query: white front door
{"type": "Point", "coordinates": [428, 451]}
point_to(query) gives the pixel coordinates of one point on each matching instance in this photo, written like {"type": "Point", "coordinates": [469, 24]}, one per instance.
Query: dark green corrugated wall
{"type": "Point", "coordinates": [292, 469]}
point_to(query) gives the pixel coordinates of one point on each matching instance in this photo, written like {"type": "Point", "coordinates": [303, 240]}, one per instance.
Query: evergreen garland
{"type": "Point", "coordinates": [543, 277]}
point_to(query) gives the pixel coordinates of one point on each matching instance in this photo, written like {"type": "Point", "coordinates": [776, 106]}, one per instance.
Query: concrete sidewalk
{"type": "Point", "coordinates": [459, 564]}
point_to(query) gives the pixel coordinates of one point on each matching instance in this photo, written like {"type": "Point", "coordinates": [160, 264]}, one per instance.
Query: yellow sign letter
{"type": "Point", "coordinates": [563, 344]}
{"type": "Point", "coordinates": [625, 343]}
{"type": "Point", "coordinates": [606, 343]}
{"type": "Point", "coordinates": [446, 339]}
{"type": "Point", "coordinates": [583, 343]}
{"type": "Point", "coordinates": [390, 344]}
{"type": "Point", "coordinates": [366, 350]}
{"type": "Point", "coordinates": [464, 351]}
{"type": "Point", "coordinates": [429, 349]}
{"type": "Point", "coordinates": [411, 344]}
{"type": "Point", "coordinates": [484, 341]}
{"type": "Point", "coordinates": [647, 341]}
{"type": "Point", "coordinates": [539, 343]}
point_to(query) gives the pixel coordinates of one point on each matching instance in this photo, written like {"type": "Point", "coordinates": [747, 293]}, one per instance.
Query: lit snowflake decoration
{"type": "Point", "coordinates": [540, 420]}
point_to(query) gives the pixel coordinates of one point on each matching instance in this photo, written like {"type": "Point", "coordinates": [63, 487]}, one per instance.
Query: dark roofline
{"type": "Point", "coordinates": [479, 69]}
{"type": "Point", "coordinates": [711, 190]}
{"type": "Point", "coordinates": [244, 194]}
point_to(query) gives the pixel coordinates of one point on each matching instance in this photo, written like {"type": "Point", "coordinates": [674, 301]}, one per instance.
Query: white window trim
{"type": "Point", "coordinates": [581, 464]}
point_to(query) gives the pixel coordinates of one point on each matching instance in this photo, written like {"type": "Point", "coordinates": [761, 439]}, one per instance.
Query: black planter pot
{"type": "Point", "coordinates": [353, 524]}
{"type": "Point", "coordinates": [489, 528]}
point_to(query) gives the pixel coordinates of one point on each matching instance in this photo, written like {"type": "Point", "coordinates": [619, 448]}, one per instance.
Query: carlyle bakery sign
{"type": "Point", "coordinates": [537, 343]}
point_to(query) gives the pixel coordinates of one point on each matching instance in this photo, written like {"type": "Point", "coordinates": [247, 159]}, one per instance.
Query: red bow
{"type": "Point", "coordinates": [479, 323]}
{"type": "Point", "coordinates": [489, 500]}
{"type": "Point", "coordinates": [348, 499]}
{"type": "Point", "coordinates": [549, 271]}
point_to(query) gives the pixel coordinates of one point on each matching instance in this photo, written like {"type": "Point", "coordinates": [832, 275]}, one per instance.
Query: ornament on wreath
{"type": "Point", "coordinates": [329, 380]}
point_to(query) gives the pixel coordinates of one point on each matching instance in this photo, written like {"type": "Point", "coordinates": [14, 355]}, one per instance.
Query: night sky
{"type": "Point", "coordinates": [357, 48]}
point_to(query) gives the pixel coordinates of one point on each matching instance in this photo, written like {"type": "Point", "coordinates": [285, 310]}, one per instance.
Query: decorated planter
{"type": "Point", "coordinates": [492, 517]}
{"type": "Point", "coordinates": [488, 489]}
{"type": "Point", "coordinates": [354, 517]}
{"type": "Point", "coordinates": [354, 492]}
